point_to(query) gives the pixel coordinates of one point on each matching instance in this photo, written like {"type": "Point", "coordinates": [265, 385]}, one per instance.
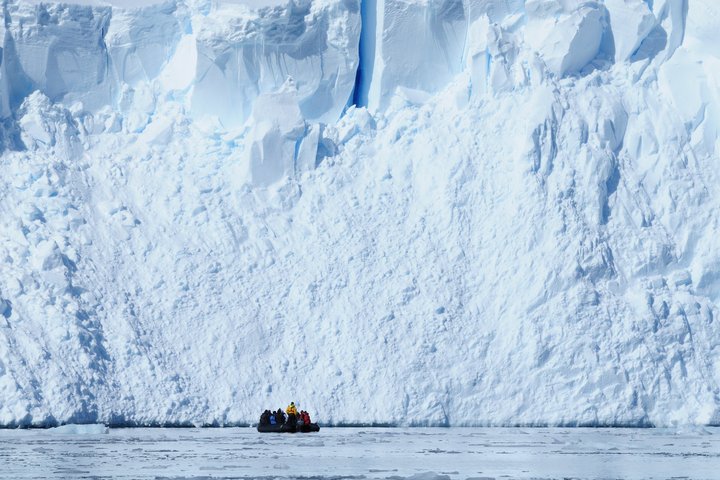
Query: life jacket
{"type": "Point", "coordinates": [272, 420]}
{"type": "Point", "coordinates": [291, 410]}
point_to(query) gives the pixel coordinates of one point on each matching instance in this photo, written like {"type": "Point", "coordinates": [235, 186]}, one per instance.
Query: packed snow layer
{"type": "Point", "coordinates": [414, 212]}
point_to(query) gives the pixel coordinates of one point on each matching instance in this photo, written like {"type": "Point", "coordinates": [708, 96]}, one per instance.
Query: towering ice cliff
{"type": "Point", "coordinates": [446, 212]}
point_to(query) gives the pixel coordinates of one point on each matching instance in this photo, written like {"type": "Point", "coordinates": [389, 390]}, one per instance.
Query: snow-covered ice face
{"type": "Point", "coordinates": [439, 212]}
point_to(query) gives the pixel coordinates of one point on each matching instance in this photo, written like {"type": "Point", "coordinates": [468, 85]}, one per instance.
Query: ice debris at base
{"type": "Point", "coordinates": [426, 212]}
{"type": "Point", "coordinates": [74, 429]}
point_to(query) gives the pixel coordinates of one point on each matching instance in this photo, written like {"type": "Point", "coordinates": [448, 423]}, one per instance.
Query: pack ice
{"type": "Point", "coordinates": [447, 212]}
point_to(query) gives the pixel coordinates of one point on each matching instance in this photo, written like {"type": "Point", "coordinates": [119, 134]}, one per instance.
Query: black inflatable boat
{"type": "Point", "coordinates": [286, 428]}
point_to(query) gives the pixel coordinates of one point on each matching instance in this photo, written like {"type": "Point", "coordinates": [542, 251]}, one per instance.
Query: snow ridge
{"type": "Point", "coordinates": [513, 223]}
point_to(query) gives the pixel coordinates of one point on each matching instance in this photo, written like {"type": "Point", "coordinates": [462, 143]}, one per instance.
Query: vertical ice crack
{"type": "Point", "coordinates": [366, 51]}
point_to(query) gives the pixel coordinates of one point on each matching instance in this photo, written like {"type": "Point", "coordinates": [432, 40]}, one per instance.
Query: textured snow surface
{"type": "Point", "coordinates": [391, 211]}
{"type": "Point", "coordinates": [370, 453]}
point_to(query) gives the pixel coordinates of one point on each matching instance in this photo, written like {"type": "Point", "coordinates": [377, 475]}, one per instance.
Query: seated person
{"type": "Point", "coordinates": [265, 417]}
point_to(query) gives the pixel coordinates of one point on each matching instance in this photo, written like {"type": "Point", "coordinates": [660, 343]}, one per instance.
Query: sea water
{"type": "Point", "coordinates": [364, 453]}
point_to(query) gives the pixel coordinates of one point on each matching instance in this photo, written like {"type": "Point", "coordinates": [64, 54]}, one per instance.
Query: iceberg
{"type": "Point", "coordinates": [80, 429]}
{"type": "Point", "coordinates": [493, 212]}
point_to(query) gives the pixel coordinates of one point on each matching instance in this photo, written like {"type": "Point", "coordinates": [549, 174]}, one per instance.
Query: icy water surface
{"type": "Point", "coordinates": [363, 453]}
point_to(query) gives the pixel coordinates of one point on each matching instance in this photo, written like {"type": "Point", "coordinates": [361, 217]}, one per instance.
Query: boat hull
{"type": "Point", "coordinates": [285, 428]}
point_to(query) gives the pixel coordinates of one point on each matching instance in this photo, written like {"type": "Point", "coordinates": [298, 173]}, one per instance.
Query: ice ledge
{"type": "Point", "coordinates": [229, 54]}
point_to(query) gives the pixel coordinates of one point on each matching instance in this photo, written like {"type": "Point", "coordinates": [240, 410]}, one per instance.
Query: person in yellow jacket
{"type": "Point", "coordinates": [292, 414]}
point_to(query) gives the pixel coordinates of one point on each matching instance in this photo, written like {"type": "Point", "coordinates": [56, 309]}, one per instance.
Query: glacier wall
{"type": "Point", "coordinates": [389, 211]}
